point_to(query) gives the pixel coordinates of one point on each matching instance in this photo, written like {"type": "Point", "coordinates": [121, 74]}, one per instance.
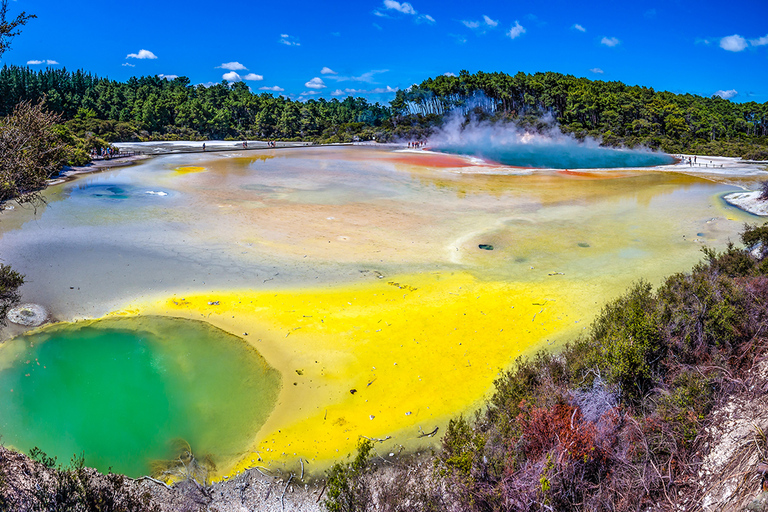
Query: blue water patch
{"type": "Point", "coordinates": [560, 156]}
{"type": "Point", "coordinates": [114, 191]}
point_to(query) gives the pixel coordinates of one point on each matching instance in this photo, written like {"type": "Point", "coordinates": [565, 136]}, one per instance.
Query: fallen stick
{"type": "Point", "coordinates": [155, 480]}
{"type": "Point", "coordinates": [282, 497]}
{"type": "Point", "coordinates": [430, 434]}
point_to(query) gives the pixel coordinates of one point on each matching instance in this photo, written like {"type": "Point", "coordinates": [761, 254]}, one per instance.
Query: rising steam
{"type": "Point", "coordinates": [546, 147]}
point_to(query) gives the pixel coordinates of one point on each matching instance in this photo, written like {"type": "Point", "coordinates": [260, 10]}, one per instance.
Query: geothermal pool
{"type": "Point", "coordinates": [387, 288]}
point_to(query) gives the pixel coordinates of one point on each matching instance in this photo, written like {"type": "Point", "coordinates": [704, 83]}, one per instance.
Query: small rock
{"type": "Point", "coordinates": [486, 247]}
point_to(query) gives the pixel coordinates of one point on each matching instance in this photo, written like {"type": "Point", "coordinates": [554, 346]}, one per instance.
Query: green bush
{"type": "Point", "coordinates": [347, 488]}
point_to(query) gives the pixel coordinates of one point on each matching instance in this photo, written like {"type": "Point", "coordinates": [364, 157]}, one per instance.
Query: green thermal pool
{"type": "Point", "coordinates": [122, 391]}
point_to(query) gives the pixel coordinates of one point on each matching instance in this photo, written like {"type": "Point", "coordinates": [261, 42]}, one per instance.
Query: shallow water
{"type": "Point", "coordinates": [561, 156]}
{"type": "Point", "coordinates": [120, 391]}
{"type": "Point", "coordinates": [315, 252]}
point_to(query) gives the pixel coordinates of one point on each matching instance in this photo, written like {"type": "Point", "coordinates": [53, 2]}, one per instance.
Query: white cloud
{"type": "Point", "coordinates": [597, 70]}
{"type": "Point", "coordinates": [448, 73]}
{"type": "Point", "coordinates": [254, 77]}
{"type": "Point", "coordinates": [610, 41]}
{"type": "Point", "coordinates": [426, 17]}
{"type": "Point", "coordinates": [404, 7]}
{"type": "Point", "coordinates": [516, 31]}
{"type": "Point", "coordinates": [288, 40]}
{"type": "Point", "coordinates": [168, 77]}
{"type": "Point", "coordinates": [232, 76]}
{"type": "Point", "coordinates": [232, 66]}
{"type": "Point", "coordinates": [143, 54]}
{"type": "Point", "coordinates": [726, 95]}
{"type": "Point", "coordinates": [51, 62]}
{"type": "Point", "coordinates": [129, 65]}
{"type": "Point", "coordinates": [734, 43]}
{"type": "Point", "coordinates": [34, 62]}
{"type": "Point", "coordinates": [327, 71]}
{"type": "Point", "coordinates": [486, 23]}
{"type": "Point", "coordinates": [578, 27]}
{"type": "Point", "coordinates": [489, 21]}
{"type": "Point", "coordinates": [309, 93]}
{"type": "Point", "coordinates": [377, 90]}
{"type": "Point", "coordinates": [760, 41]}
{"type": "Point", "coordinates": [315, 83]}
{"type": "Point", "coordinates": [273, 88]}
{"type": "Point", "coordinates": [365, 77]}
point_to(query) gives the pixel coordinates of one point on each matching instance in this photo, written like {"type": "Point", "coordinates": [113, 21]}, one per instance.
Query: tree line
{"type": "Point", "coordinates": [155, 108]}
{"type": "Point", "coordinates": [612, 112]}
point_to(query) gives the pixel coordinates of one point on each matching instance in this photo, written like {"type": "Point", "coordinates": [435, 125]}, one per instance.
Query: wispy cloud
{"type": "Point", "coordinates": [289, 40]}
{"type": "Point", "coordinates": [168, 77]}
{"type": "Point", "coordinates": [38, 62]}
{"type": "Point", "coordinates": [578, 27]}
{"type": "Point", "coordinates": [610, 41]}
{"type": "Point", "coordinates": [327, 71]}
{"type": "Point", "coordinates": [516, 31]}
{"type": "Point", "coordinates": [128, 64]}
{"type": "Point", "coordinates": [490, 22]}
{"type": "Point", "coordinates": [274, 88]}
{"type": "Point", "coordinates": [377, 90]}
{"type": "Point", "coordinates": [232, 66]}
{"type": "Point", "coordinates": [726, 95]}
{"type": "Point", "coordinates": [404, 7]}
{"type": "Point", "coordinates": [367, 77]}
{"type": "Point", "coordinates": [760, 41]}
{"type": "Point", "coordinates": [597, 71]}
{"type": "Point", "coordinates": [253, 77]}
{"type": "Point", "coordinates": [481, 26]}
{"type": "Point", "coordinates": [734, 43]}
{"type": "Point", "coordinates": [449, 73]}
{"type": "Point", "coordinates": [460, 39]}
{"type": "Point", "coordinates": [315, 83]}
{"type": "Point", "coordinates": [143, 54]}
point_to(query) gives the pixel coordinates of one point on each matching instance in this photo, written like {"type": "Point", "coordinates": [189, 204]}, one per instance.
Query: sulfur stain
{"type": "Point", "coordinates": [432, 345]}
{"type": "Point", "coordinates": [189, 169]}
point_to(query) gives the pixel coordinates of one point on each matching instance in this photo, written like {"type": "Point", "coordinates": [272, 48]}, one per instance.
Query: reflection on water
{"type": "Point", "coordinates": [121, 390]}
{"type": "Point", "coordinates": [340, 225]}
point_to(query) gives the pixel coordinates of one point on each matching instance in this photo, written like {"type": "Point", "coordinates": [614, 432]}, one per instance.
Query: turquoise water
{"type": "Point", "coordinates": [565, 156]}
{"type": "Point", "coordinates": [121, 391]}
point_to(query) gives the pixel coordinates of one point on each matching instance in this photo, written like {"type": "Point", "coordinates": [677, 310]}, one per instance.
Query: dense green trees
{"type": "Point", "coordinates": [617, 114]}
{"type": "Point", "coordinates": [609, 111]}
{"type": "Point", "coordinates": [155, 108]}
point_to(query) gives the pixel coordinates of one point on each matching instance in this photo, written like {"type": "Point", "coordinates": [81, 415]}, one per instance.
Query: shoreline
{"type": "Point", "coordinates": [749, 202]}
{"type": "Point", "coordinates": [282, 333]}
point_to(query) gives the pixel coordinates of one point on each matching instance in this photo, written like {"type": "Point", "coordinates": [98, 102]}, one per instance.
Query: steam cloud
{"type": "Point", "coordinates": [547, 148]}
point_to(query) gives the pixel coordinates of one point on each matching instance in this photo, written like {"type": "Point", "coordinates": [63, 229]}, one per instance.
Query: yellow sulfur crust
{"type": "Point", "coordinates": [415, 349]}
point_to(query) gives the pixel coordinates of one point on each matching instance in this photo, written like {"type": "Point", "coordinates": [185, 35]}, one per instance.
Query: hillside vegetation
{"type": "Point", "coordinates": [620, 420]}
{"type": "Point", "coordinates": [154, 108]}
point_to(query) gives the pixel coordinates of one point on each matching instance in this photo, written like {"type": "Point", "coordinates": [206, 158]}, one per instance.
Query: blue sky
{"type": "Point", "coordinates": [371, 48]}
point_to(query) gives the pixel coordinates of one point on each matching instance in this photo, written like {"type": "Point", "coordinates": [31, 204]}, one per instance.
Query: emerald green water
{"type": "Point", "coordinates": [120, 390]}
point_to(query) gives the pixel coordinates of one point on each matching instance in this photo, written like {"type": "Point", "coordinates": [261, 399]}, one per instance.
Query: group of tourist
{"type": "Point", "coordinates": [105, 153]}
{"type": "Point", "coordinates": [417, 144]}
